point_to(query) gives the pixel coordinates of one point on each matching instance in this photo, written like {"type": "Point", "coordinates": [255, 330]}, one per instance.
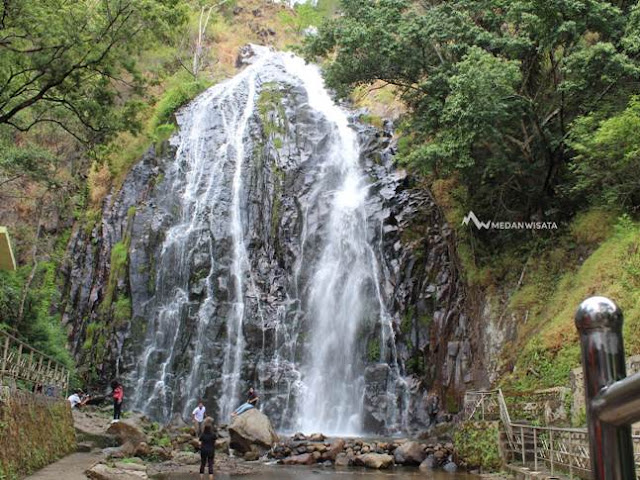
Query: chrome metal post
{"type": "Point", "coordinates": [599, 322]}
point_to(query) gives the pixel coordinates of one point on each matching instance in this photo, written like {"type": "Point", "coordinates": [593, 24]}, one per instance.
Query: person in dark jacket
{"type": "Point", "coordinates": [252, 397]}
{"type": "Point", "coordinates": [207, 447]}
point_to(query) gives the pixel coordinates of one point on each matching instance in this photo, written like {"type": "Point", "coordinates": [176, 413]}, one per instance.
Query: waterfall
{"type": "Point", "coordinates": [344, 269]}
{"type": "Point", "coordinates": [266, 273]}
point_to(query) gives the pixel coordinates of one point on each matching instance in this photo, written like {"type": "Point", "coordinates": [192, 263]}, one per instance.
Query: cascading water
{"type": "Point", "coordinates": [338, 296]}
{"type": "Point", "coordinates": [263, 157]}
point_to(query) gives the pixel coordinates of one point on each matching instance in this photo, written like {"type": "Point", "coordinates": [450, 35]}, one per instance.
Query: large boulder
{"type": "Point", "coordinates": [142, 450]}
{"type": "Point", "coordinates": [409, 453]}
{"type": "Point", "coordinates": [377, 460]}
{"type": "Point", "coordinates": [126, 432]}
{"type": "Point", "coordinates": [250, 431]}
{"type": "Point", "coordinates": [100, 471]}
{"type": "Point", "coordinates": [344, 460]}
{"type": "Point", "coordinates": [161, 453]}
{"type": "Point", "coordinates": [131, 466]}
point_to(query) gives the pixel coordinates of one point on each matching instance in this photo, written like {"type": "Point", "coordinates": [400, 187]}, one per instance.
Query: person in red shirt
{"type": "Point", "coordinates": [118, 396]}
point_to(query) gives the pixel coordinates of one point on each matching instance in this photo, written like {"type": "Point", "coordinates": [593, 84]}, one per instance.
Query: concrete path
{"type": "Point", "coordinates": [71, 467]}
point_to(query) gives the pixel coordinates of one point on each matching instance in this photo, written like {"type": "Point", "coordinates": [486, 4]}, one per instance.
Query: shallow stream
{"type": "Point", "coordinates": [319, 473]}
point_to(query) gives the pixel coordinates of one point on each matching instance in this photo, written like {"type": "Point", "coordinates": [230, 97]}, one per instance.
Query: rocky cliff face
{"type": "Point", "coordinates": [202, 277]}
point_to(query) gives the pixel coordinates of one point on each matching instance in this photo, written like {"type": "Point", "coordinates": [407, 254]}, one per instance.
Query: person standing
{"type": "Point", "coordinates": [118, 397]}
{"type": "Point", "coordinates": [207, 447]}
{"type": "Point", "coordinates": [198, 417]}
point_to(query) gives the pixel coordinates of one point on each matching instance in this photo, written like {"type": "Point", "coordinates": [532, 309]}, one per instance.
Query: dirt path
{"type": "Point", "coordinates": [71, 467]}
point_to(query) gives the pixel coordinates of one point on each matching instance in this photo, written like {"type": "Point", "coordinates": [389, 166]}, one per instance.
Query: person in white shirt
{"type": "Point", "coordinates": [198, 417]}
{"type": "Point", "coordinates": [74, 399]}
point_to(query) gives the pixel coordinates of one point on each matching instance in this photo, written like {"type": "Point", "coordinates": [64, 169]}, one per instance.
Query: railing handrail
{"type": "Point", "coordinates": [557, 447]}
{"type": "Point", "coordinates": [606, 448]}
{"type": "Point", "coordinates": [550, 428]}
{"type": "Point", "coordinates": [20, 362]}
{"type": "Point", "coordinates": [33, 349]}
{"type": "Point", "coordinates": [611, 398]}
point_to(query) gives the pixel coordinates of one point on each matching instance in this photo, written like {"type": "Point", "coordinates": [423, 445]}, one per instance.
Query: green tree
{"type": "Point", "coordinates": [607, 158]}
{"type": "Point", "coordinates": [493, 86]}
{"type": "Point", "coordinates": [71, 63]}
{"type": "Point", "coordinates": [300, 17]}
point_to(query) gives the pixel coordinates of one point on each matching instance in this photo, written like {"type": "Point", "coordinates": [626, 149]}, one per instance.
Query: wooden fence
{"type": "Point", "coordinates": [24, 366]}
{"type": "Point", "coordinates": [538, 447]}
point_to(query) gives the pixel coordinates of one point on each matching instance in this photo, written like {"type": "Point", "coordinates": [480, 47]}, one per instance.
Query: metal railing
{"type": "Point", "coordinates": [482, 405]}
{"type": "Point", "coordinates": [22, 364]}
{"type": "Point", "coordinates": [555, 449]}
{"type": "Point", "coordinates": [612, 398]}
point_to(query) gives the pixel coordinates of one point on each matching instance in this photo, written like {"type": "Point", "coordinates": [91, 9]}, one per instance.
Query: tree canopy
{"type": "Point", "coordinates": [500, 93]}
{"type": "Point", "coordinates": [72, 63]}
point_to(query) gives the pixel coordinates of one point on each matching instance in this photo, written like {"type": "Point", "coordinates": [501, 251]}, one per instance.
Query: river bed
{"type": "Point", "coordinates": [311, 473]}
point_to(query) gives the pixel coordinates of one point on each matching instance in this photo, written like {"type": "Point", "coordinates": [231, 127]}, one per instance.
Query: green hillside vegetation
{"type": "Point", "coordinates": [549, 301]}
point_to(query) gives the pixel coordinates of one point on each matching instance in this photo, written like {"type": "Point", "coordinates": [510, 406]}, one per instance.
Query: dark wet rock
{"type": "Point", "coordinates": [450, 467]}
{"type": "Point", "coordinates": [409, 453]}
{"type": "Point", "coordinates": [428, 463]}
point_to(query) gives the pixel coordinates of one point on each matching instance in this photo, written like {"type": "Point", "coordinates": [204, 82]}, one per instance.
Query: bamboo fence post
{"type": "Point", "coordinates": [5, 358]}
{"type": "Point", "coordinates": [535, 449]}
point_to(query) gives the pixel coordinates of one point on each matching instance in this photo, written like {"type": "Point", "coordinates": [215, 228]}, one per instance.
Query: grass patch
{"type": "Point", "coordinates": [548, 347]}
{"type": "Point", "coordinates": [593, 226]}
{"type": "Point", "coordinates": [373, 350]}
{"type": "Point", "coordinates": [173, 98]}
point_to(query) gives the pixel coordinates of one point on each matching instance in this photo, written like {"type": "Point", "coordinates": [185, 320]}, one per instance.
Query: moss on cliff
{"type": "Point", "coordinates": [32, 435]}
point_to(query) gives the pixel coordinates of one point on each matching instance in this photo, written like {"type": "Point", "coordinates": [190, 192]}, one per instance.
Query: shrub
{"type": "Point", "coordinates": [477, 444]}
{"type": "Point", "coordinates": [174, 98]}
